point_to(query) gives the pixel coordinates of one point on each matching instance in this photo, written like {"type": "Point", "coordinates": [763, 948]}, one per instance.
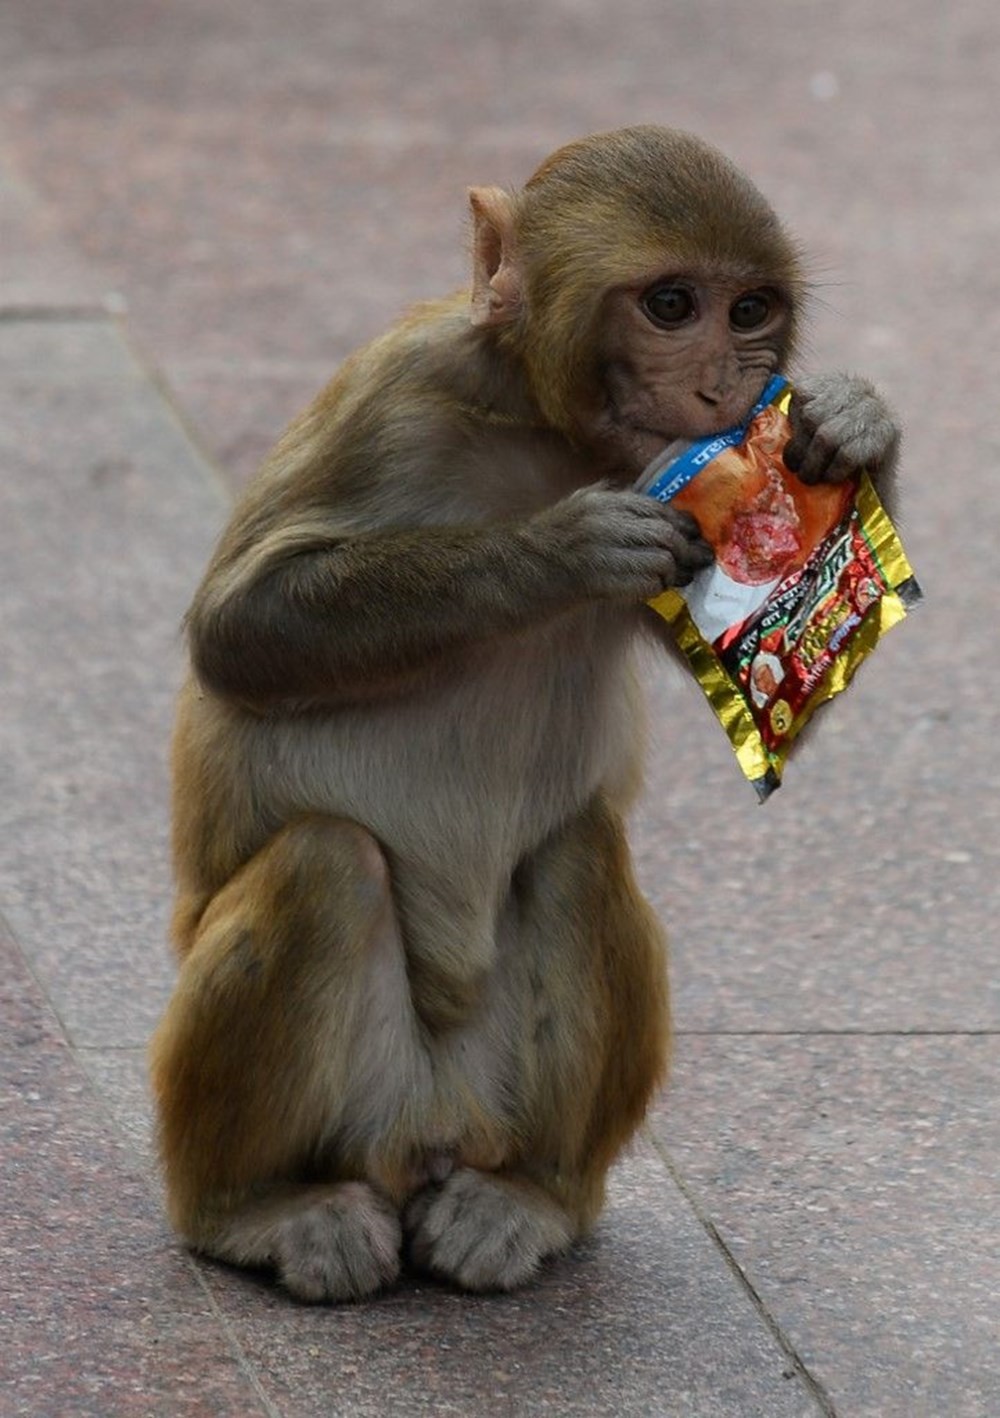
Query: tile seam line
{"type": "Point", "coordinates": [174, 408]}
{"type": "Point", "coordinates": [679, 1033]}
{"type": "Point", "coordinates": [38, 982]}
{"type": "Point", "coordinates": [148, 369]}
{"type": "Point", "coordinates": [811, 1384]}
{"type": "Point", "coordinates": [247, 1368]}
{"type": "Point", "coordinates": [30, 313]}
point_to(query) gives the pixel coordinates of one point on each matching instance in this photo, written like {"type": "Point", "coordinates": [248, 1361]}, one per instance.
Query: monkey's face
{"type": "Point", "coordinates": [685, 355]}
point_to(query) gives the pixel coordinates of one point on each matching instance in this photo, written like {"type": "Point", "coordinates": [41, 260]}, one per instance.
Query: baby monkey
{"type": "Point", "coordinates": [422, 1003]}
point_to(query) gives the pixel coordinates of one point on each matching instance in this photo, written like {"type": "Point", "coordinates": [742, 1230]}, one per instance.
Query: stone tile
{"type": "Point", "coordinates": [643, 1320]}
{"type": "Point", "coordinates": [101, 1315]}
{"type": "Point", "coordinates": [106, 518]}
{"type": "Point", "coordinates": [855, 1183]}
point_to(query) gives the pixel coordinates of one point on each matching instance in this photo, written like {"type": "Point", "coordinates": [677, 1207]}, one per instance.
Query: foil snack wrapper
{"type": "Point", "coordinates": [806, 581]}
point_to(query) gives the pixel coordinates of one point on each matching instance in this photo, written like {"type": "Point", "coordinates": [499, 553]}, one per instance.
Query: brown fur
{"type": "Point", "coordinates": [419, 990]}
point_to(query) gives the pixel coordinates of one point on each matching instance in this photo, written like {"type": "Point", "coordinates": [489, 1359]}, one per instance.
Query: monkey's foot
{"type": "Point", "coordinates": [483, 1231]}
{"type": "Point", "coordinates": [341, 1246]}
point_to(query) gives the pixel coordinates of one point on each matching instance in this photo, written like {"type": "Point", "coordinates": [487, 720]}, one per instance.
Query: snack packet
{"type": "Point", "coordinates": [805, 583]}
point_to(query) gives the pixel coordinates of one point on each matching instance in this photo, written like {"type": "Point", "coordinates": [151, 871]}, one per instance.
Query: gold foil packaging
{"type": "Point", "coordinates": [806, 581]}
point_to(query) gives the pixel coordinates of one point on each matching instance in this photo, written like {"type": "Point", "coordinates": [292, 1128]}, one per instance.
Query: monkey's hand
{"type": "Point", "coordinates": [624, 546]}
{"type": "Point", "coordinates": [841, 424]}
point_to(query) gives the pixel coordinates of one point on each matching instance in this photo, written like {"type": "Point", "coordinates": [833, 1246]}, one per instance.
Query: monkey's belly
{"type": "Point", "coordinates": [478, 769]}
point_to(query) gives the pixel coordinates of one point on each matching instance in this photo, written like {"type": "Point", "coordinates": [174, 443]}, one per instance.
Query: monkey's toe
{"type": "Point", "coordinates": [485, 1232]}
{"type": "Point", "coordinates": [343, 1247]}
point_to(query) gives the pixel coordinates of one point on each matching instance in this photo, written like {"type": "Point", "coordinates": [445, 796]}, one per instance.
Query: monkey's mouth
{"type": "Point", "coordinates": [648, 432]}
{"type": "Point", "coordinates": [630, 431]}
{"type": "Point", "coordinates": [641, 443]}
{"type": "Point", "coordinates": [707, 419]}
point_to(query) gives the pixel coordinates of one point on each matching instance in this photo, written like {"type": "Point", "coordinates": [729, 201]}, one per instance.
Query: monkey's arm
{"type": "Point", "coordinates": [840, 425]}
{"type": "Point", "coordinates": [303, 616]}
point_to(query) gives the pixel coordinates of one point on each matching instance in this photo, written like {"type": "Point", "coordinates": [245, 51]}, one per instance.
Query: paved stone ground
{"type": "Point", "coordinates": [203, 206]}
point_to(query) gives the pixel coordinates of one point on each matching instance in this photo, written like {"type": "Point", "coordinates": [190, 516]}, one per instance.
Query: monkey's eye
{"type": "Point", "coordinates": [668, 306]}
{"type": "Point", "coordinates": [751, 310]}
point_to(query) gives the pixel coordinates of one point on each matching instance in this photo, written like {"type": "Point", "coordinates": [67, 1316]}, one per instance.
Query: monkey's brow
{"type": "Point", "coordinates": [719, 280]}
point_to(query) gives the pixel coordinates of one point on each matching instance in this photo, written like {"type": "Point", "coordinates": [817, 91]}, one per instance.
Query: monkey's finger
{"type": "Point", "coordinates": [687, 522]}
{"type": "Point", "coordinates": [845, 465]}
{"type": "Point", "coordinates": [795, 450]}
{"type": "Point", "coordinates": [677, 531]}
{"type": "Point", "coordinates": [638, 505]}
{"type": "Point", "coordinates": [686, 539]}
{"type": "Point", "coordinates": [814, 440]}
{"type": "Point", "coordinates": [695, 552]}
{"type": "Point", "coordinates": [641, 573]}
{"type": "Point", "coordinates": [802, 432]}
{"type": "Point", "coordinates": [686, 546]}
{"type": "Point", "coordinates": [680, 573]}
{"type": "Point", "coordinates": [816, 455]}
{"type": "Point", "coordinates": [665, 572]}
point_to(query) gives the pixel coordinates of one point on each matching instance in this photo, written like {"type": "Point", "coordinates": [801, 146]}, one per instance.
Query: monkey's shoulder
{"type": "Point", "coordinates": [430, 423]}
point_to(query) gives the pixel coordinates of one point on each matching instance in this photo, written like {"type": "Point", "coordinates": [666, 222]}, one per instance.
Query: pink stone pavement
{"type": "Point", "coordinates": [204, 205]}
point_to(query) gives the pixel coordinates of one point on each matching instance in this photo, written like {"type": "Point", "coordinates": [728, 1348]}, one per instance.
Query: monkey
{"type": "Point", "coordinates": [422, 1004]}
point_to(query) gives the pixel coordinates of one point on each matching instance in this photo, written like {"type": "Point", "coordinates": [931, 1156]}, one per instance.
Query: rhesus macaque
{"type": "Point", "coordinates": [421, 1000]}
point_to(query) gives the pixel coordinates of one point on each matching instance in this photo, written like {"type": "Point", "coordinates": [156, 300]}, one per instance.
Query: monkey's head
{"type": "Point", "coordinates": [646, 284]}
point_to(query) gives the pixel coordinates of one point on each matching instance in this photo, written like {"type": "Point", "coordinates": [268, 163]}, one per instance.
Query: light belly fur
{"type": "Point", "coordinates": [480, 769]}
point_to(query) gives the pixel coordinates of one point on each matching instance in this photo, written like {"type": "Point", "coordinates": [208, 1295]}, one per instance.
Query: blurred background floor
{"type": "Point", "coordinates": [203, 207]}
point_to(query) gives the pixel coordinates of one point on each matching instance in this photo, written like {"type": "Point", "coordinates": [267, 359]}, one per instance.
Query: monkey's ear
{"type": "Point", "coordinates": [497, 292]}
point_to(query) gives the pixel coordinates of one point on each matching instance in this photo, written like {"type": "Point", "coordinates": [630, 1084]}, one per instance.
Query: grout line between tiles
{"type": "Point", "coordinates": [247, 1367]}
{"type": "Point", "coordinates": [174, 408]}
{"type": "Point", "coordinates": [812, 1385]}
{"type": "Point", "coordinates": [29, 313]}
{"type": "Point", "coordinates": [837, 1033]}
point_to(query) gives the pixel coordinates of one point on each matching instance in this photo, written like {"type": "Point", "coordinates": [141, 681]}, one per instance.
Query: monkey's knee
{"type": "Point", "coordinates": [250, 1061]}
{"type": "Point", "coordinates": [318, 876]}
{"type": "Point", "coordinates": [600, 1003]}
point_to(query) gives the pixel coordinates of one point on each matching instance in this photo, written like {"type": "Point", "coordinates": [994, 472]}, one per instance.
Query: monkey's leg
{"type": "Point", "coordinates": [588, 992]}
{"type": "Point", "coordinates": [289, 1042]}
